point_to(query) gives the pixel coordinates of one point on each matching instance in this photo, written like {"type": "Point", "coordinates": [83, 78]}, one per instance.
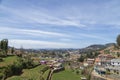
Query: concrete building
{"type": "Point", "coordinates": [115, 62]}
{"type": "Point", "coordinates": [114, 67]}
{"type": "Point", "coordinates": [104, 59]}
{"type": "Point", "coordinates": [90, 61]}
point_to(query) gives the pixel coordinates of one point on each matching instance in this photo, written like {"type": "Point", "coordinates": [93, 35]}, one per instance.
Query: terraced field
{"type": "Point", "coordinates": [31, 74]}
{"type": "Point", "coordinates": [8, 60]}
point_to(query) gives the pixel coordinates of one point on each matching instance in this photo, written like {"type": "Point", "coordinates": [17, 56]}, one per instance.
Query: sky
{"type": "Point", "coordinates": [59, 23]}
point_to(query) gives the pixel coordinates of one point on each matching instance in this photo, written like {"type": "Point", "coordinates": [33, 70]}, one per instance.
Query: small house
{"type": "Point", "coordinates": [90, 61]}
{"type": "Point", "coordinates": [115, 62]}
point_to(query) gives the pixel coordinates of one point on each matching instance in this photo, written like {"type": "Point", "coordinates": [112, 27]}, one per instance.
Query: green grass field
{"type": "Point", "coordinates": [46, 74]}
{"type": "Point", "coordinates": [8, 60]}
{"type": "Point", "coordinates": [33, 74]}
{"type": "Point", "coordinates": [65, 75]}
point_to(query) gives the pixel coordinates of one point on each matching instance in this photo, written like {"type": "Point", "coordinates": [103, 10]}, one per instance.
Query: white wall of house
{"type": "Point", "coordinates": [115, 62]}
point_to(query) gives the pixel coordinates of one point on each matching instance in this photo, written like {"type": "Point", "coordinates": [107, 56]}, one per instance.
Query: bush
{"type": "Point", "coordinates": [2, 54]}
{"type": "Point", "coordinates": [28, 63]}
{"type": "Point", "coordinates": [1, 59]}
{"type": "Point", "coordinates": [7, 71]}
{"type": "Point", "coordinates": [81, 59]}
{"type": "Point", "coordinates": [13, 69]}
{"type": "Point", "coordinates": [44, 69]}
{"type": "Point", "coordinates": [16, 68]}
{"type": "Point", "coordinates": [1, 76]}
{"type": "Point", "coordinates": [77, 72]}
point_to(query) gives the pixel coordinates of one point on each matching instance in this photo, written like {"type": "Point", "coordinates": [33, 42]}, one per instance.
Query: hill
{"type": "Point", "coordinates": [95, 47]}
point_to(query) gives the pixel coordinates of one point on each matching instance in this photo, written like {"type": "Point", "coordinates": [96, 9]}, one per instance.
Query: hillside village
{"type": "Point", "coordinates": [59, 39]}
{"type": "Point", "coordinates": [100, 64]}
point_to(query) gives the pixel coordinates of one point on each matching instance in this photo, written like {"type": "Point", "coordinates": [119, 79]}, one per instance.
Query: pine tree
{"type": "Point", "coordinates": [118, 40]}
{"type": "Point", "coordinates": [4, 45]}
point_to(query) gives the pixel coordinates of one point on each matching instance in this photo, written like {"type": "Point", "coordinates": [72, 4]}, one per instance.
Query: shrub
{"type": "Point", "coordinates": [6, 71]}
{"type": "Point", "coordinates": [1, 76]}
{"type": "Point", "coordinates": [1, 59]}
{"type": "Point", "coordinates": [16, 68]}
{"type": "Point", "coordinates": [77, 72]}
{"type": "Point", "coordinates": [81, 59]}
{"type": "Point", "coordinates": [2, 53]}
{"type": "Point", "coordinates": [44, 69]}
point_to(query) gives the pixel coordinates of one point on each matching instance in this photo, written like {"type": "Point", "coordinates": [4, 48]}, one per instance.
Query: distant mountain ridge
{"type": "Point", "coordinates": [95, 47]}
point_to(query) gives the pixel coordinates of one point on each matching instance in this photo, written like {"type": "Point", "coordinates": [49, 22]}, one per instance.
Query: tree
{"type": "Point", "coordinates": [12, 50]}
{"type": "Point", "coordinates": [81, 59]}
{"type": "Point", "coordinates": [1, 59]}
{"type": "Point", "coordinates": [7, 71]}
{"type": "Point", "coordinates": [97, 53]}
{"type": "Point", "coordinates": [16, 68]}
{"type": "Point", "coordinates": [21, 51]}
{"type": "Point", "coordinates": [118, 54]}
{"type": "Point", "coordinates": [90, 55]}
{"type": "Point", "coordinates": [77, 72]}
{"type": "Point", "coordinates": [4, 45]}
{"type": "Point", "coordinates": [118, 40]}
{"type": "Point", "coordinates": [83, 72]}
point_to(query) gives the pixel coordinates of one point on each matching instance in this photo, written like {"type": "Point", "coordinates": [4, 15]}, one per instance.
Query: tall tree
{"type": "Point", "coordinates": [118, 40]}
{"type": "Point", "coordinates": [81, 59]}
{"type": "Point", "coordinates": [4, 45]}
{"type": "Point", "coordinates": [12, 50]}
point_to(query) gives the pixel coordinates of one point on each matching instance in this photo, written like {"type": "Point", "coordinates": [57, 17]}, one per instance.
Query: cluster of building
{"type": "Point", "coordinates": [106, 63]}
{"type": "Point", "coordinates": [56, 64]}
{"type": "Point", "coordinates": [114, 67]}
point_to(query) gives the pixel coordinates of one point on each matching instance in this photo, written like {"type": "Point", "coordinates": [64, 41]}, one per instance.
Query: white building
{"type": "Point", "coordinates": [114, 67]}
{"type": "Point", "coordinates": [115, 62]}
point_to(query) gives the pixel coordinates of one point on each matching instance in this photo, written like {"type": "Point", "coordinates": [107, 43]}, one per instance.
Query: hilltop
{"type": "Point", "coordinates": [95, 47]}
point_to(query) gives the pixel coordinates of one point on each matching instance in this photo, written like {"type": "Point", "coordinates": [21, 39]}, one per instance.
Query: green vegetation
{"type": "Point", "coordinates": [66, 75]}
{"type": "Point", "coordinates": [12, 50]}
{"type": "Point", "coordinates": [45, 75]}
{"type": "Point", "coordinates": [8, 66]}
{"type": "Point", "coordinates": [19, 67]}
{"type": "Point", "coordinates": [22, 66]}
{"type": "Point", "coordinates": [81, 59]}
{"type": "Point", "coordinates": [118, 40]}
{"type": "Point", "coordinates": [88, 55]}
{"type": "Point", "coordinates": [13, 65]}
{"type": "Point", "coordinates": [8, 60]}
{"type": "Point", "coordinates": [31, 74]}
{"type": "Point", "coordinates": [4, 46]}
{"type": "Point", "coordinates": [92, 54]}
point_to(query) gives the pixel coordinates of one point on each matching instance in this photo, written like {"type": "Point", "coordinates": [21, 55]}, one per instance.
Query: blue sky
{"type": "Point", "coordinates": [59, 23]}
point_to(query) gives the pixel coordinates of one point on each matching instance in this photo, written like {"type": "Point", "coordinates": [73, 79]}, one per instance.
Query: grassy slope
{"type": "Point", "coordinates": [29, 74]}
{"type": "Point", "coordinates": [8, 60]}
{"type": "Point", "coordinates": [45, 75]}
{"type": "Point", "coordinates": [65, 75]}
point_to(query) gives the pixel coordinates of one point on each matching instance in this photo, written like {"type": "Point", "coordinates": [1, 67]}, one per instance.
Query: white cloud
{"type": "Point", "coordinates": [38, 44]}
{"type": "Point", "coordinates": [45, 33]}
{"type": "Point", "coordinates": [98, 37]}
{"type": "Point", "coordinates": [36, 16]}
{"type": "Point", "coordinates": [90, 14]}
{"type": "Point", "coordinates": [8, 30]}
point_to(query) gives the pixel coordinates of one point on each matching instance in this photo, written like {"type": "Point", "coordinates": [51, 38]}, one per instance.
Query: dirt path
{"type": "Point", "coordinates": [50, 74]}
